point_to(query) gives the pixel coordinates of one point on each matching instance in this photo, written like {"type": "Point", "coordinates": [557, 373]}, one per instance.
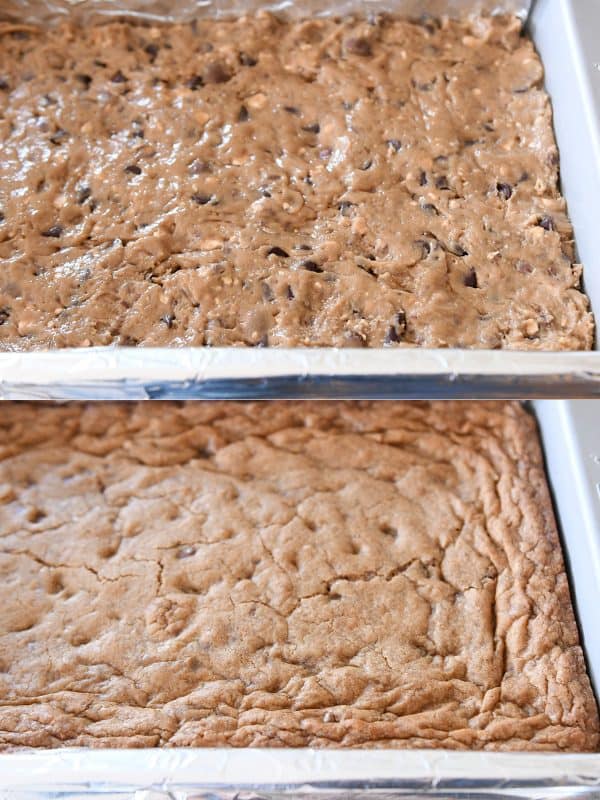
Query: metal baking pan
{"type": "Point", "coordinates": [565, 33]}
{"type": "Point", "coordinates": [571, 439]}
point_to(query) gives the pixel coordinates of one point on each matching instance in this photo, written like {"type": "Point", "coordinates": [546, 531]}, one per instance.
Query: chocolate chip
{"type": "Point", "coordinates": [83, 194]}
{"type": "Point", "coordinates": [425, 247]}
{"type": "Point", "coordinates": [504, 190]}
{"type": "Point", "coordinates": [59, 137]}
{"type": "Point", "coordinates": [458, 250]}
{"type": "Point", "coordinates": [4, 315]}
{"type": "Point", "coordinates": [524, 267]}
{"type": "Point", "coordinates": [430, 208]}
{"type": "Point", "coordinates": [401, 319]}
{"type": "Point", "coordinates": [470, 279]}
{"type": "Point", "coordinates": [217, 72]}
{"type": "Point", "coordinates": [358, 46]}
{"type": "Point", "coordinates": [3, 85]}
{"type": "Point", "coordinates": [441, 182]}
{"type": "Point", "coordinates": [345, 207]}
{"type": "Point", "coordinates": [118, 77]}
{"type": "Point", "coordinates": [469, 142]}
{"type": "Point", "coordinates": [198, 167]}
{"type": "Point", "coordinates": [292, 110]}
{"type": "Point", "coordinates": [247, 60]}
{"type": "Point", "coordinates": [422, 178]}
{"type": "Point", "coordinates": [289, 293]}
{"type": "Point", "coordinates": [133, 169]}
{"type": "Point", "coordinates": [202, 199]}
{"type": "Point", "coordinates": [138, 134]}
{"type": "Point", "coordinates": [53, 232]}
{"type": "Point", "coordinates": [488, 126]}
{"type": "Point", "coordinates": [243, 115]}
{"type": "Point", "coordinates": [395, 144]}
{"type": "Point", "coordinates": [314, 128]}
{"type": "Point", "coordinates": [391, 335]}
{"type": "Point", "coordinates": [547, 223]}
{"type": "Point", "coordinates": [168, 319]}
{"type": "Point", "coordinates": [423, 87]}
{"type": "Point", "coordinates": [186, 551]}
{"type": "Point", "coordinates": [277, 251]}
{"type": "Point", "coordinates": [195, 82]}
{"type": "Point", "coordinates": [266, 193]}
{"type": "Point", "coordinates": [311, 266]}
{"type": "Point", "coordinates": [101, 64]}
{"type": "Point", "coordinates": [84, 80]}
{"type": "Point", "coordinates": [152, 51]}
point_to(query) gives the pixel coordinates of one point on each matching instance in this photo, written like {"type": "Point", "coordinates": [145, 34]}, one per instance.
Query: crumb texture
{"type": "Point", "coordinates": [350, 574]}
{"type": "Point", "coordinates": [260, 182]}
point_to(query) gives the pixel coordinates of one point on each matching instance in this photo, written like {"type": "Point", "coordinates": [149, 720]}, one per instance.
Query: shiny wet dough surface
{"type": "Point", "coordinates": [257, 182]}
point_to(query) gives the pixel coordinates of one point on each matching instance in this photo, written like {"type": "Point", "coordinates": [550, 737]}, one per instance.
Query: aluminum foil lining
{"type": "Point", "coordinates": [51, 11]}
{"type": "Point", "coordinates": [245, 774]}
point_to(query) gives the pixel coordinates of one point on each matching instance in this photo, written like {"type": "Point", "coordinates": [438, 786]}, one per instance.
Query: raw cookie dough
{"type": "Point", "coordinates": [260, 182]}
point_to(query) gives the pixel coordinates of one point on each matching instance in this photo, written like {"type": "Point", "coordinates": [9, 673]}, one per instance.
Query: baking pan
{"type": "Point", "coordinates": [566, 33]}
{"type": "Point", "coordinates": [571, 440]}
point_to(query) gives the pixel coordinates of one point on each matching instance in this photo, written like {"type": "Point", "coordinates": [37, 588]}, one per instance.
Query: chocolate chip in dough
{"type": "Point", "coordinates": [441, 182]}
{"type": "Point", "coordinates": [292, 110]}
{"type": "Point", "coordinates": [277, 251]}
{"type": "Point", "coordinates": [504, 190]}
{"type": "Point", "coordinates": [168, 319]}
{"type": "Point", "coordinates": [54, 232]}
{"type": "Point", "coordinates": [311, 266]}
{"type": "Point", "coordinates": [547, 223]}
{"type": "Point", "coordinates": [118, 77]}
{"type": "Point", "coordinates": [151, 50]}
{"type": "Point", "coordinates": [395, 144]}
{"type": "Point", "coordinates": [217, 72]}
{"type": "Point", "coordinates": [314, 128]}
{"type": "Point", "coordinates": [202, 199]}
{"type": "Point", "coordinates": [4, 315]}
{"type": "Point", "coordinates": [246, 60]}
{"type": "Point", "coordinates": [243, 115]}
{"type": "Point", "coordinates": [3, 85]}
{"type": "Point", "coordinates": [422, 178]}
{"type": "Point", "coordinates": [133, 169]}
{"type": "Point", "coordinates": [359, 46]}
{"type": "Point", "coordinates": [194, 83]}
{"type": "Point", "coordinates": [458, 250]}
{"type": "Point", "coordinates": [470, 279]}
{"type": "Point", "coordinates": [83, 194]}
{"type": "Point", "coordinates": [59, 137]}
{"type": "Point", "coordinates": [84, 80]}
{"type": "Point", "coordinates": [2, 217]}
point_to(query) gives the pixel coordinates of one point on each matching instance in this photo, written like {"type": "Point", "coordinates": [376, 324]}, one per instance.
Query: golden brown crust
{"type": "Point", "coordinates": [302, 574]}
{"type": "Point", "coordinates": [323, 182]}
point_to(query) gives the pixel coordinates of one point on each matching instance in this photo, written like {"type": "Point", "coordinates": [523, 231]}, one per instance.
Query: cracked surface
{"type": "Point", "coordinates": [324, 574]}
{"type": "Point", "coordinates": [255, 182]}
